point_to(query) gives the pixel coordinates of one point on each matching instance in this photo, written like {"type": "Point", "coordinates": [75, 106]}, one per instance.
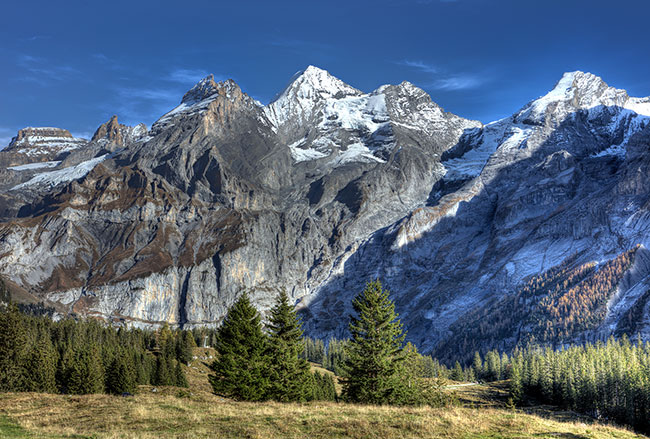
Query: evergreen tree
{"type": "Point", "coordinates": [322, 387]}
{"type": "Point", "coordinates": [516, 385]}
{"type": "Point", "coordinates": [492, 366]}
{"type": "Point", "coordinates": [41, 367]}
{"type": "Point", "coordinates": [375, 349]}
{"type": "Point", "coordinates": [289, 376]}
{"type": "Point", "coordinates": [164, 373]}
{"type": "Point", "coordinates": [240, 370]}
{"type": "Point", "coordinates": [13, 350]}
{"type": "Point", "coordinates": [86, 372]}
{"type": "Point", "coordinates": [142, 368]}
{"type": "Point", "coordinates": [121, 376]}
{"type": "Point", "coordinates": [185, 347]}
{"type": "Point", "coordinates": [411, 388]}
{"type": "Point", "coordinates": [314, 351]}
{"type": "Point", "coordinates": [457, 373]}
{"type": "Point", "coordinates": [179, 375]}
{"type": "Point", "coordinates": [336, 356]}
{"type": "Point", "coordinates": [429, 367]}
{"type": "Point", "coordinates": [477, 365]}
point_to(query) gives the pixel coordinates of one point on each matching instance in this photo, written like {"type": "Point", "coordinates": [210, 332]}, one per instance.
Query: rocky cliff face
{"type": "Point", "coordinates": [326, 188]}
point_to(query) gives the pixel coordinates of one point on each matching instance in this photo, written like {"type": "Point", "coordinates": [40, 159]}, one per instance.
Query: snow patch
{"type": "Point", "coordinates": [31, 166]}
{"type": "Point", "coordinates": [356, 152]}
{"type": "Point", "coordinates": [364, 113]}
{"type": "Point", "coordinates": [71, 173]}
{"type": "Point", "coordinates": [304, 154]}
{"type": "Point", "coordinates": [499, 134]}
{"type": "Point", "coordinates": [614, 150]}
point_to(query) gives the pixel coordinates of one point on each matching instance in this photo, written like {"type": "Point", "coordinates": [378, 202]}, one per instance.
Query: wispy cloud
{"type": "Point", "coordinates": [187, 76]}
{"type": "Point", "coordinates": [442, 79]}
{"type": "Point", "coordinates": [135, 105]}
{"type": "Point", "coordinates": [37, 37]}
{"type": "Point", "coordinates": [100, 57]}
{"type": "Point", "coordinates": [419, 65]}
{"type": "Point", "coordinates": [458, 82]}
{"type": "Point", "coordinates": [42, 71]}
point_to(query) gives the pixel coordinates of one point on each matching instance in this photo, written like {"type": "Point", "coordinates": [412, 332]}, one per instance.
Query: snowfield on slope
{"type": "Point", "coordinates": [53, 178]}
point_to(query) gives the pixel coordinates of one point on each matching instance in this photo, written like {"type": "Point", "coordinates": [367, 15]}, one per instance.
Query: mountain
{"type": "Point", "coordinates": [487, 235]}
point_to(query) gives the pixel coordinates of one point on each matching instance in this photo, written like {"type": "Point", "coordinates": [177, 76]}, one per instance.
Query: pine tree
{"type": "Point", "coordinates": [516, 385]}
{"type": "Point", "coordinates": [163, 374]}
{"type": "Point", "coordinates": [13, 350]}
{"type": "Point", "coordinates": [289, 376]}
{"type": "Point", "coordinates": [457, 372]}
{"type": "Point", "coordinates": [492, 366]}
{"type": "Point", "coordinates": [477, 365]}
{"type": "Point", "coordinates": [336, 356]}
{"type": "Point", "coordinates": [179, 375]}
{"type": "Point", "coordinates": [375, 349]}
{"type": "Point", "coordinates": [240, 370]}
{"type": "Point", "coordinates": [41, 367]}
{"type": "Point", "coordinates": [121, 376]}
{"type": "Point", "coordinates": [86, 372]}
{"type": "Point", "coordinates": [314, 351]}
{"type": "Point", "coordinates": [185, 347]}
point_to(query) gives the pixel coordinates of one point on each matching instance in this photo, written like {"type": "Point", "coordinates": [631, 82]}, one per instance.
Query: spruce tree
{"type": "Point", "coordinates": [477, 365]}
{"type": "Point", "coordinates": [289, 372]}
{"type": "Point", "coordinates": [163, 374]}
{"type": "Point", "coordinates": [86, 372]}
{"type": "Point", "coordinates": [13, 350]}
{"type": "Point", "coordinates": [41, 367]}
{"type": "Point", "coordinates": [179, 376]}
{"type": "Point", "coordinates": [457, 372]}
{"type": "Point", "coordinates": [516, 385]}
{"type": "Point", "coordinates": [121, 377]}
{"type": "Point", "coordinates": [185, 347]}
{"type": "Point", "coordinates": [240, 370]}
{"type": "Point", "coordinates": [375, 349]}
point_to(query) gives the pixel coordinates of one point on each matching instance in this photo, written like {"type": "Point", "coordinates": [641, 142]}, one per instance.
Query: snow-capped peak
{"type": "Point", "coordinates": [314, 83]}
{"type": "Point", "coordinates": [306, 89]}
{"type": "Point", "coordinates": [574, 91]}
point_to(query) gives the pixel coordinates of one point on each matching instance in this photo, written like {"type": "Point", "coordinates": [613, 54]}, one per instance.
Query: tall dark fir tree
{"type": "Point", "coordinates": [121, 376]}
{"type": "Point", "coordinates": [289, 372]}
{"type": "Point", "coordinates": [241, 367]}
{"type": "Point", "coordinates": [375, 349]}
{"type": "Point", "coordinates": [14, 350]}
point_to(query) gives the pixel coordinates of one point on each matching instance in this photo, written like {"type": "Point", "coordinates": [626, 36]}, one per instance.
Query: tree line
{"type": "Point", "coordinates": [609, 381]}
{"type": "Point", "coordinates": [606, 380]}
{"type": "Point", "coordinates": [78, 357]}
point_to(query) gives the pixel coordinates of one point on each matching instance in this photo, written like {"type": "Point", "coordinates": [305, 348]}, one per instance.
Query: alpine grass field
{"type": "Point", "coordinates": [481, 411]}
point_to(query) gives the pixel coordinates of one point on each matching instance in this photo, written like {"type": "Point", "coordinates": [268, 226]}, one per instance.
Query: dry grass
{"type": "Point", "coordinates": [197, 413]}
{"type": "Point", "coordinates": [164, 415]}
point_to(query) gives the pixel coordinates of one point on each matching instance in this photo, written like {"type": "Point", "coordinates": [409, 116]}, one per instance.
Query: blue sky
{"type": "Point", "coordinates": [73, 64]}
